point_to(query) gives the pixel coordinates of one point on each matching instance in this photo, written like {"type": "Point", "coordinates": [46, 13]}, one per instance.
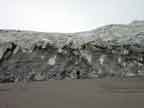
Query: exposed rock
{"type": "Point", "coordinates": [113, 51]}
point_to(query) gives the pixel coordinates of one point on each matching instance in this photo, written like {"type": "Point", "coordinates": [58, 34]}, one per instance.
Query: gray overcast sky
{"type": "Point", "coordinates": [67, 15]}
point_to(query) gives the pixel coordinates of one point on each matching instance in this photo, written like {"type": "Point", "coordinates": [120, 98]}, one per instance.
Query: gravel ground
{"type": "Point", "coordinates": [73, 94]}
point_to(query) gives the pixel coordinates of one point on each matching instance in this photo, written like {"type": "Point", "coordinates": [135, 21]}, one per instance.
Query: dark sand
{"type": "Point", "coordinates": [74, 94]}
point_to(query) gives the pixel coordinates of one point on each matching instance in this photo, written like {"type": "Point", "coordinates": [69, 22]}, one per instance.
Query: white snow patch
{"type": "Point", "coordinates": [119, 59]}
{"type": "Point", "coordinates": [42, 57]}
{"type": "Point", "coordinates": [87, 55]}
{"type": "Point", "coordinates": [124, 64]}
{"type": "Point", "coordinates": [130, 74]}
{"type": "Point", "coordinates": [52, 60]}
{"type": "Point", "coordinates": [60, 50]}
{"type": "Point", "coordinates": [125, 51]}
{"type": "Point", "coordinates": [101, 59]}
